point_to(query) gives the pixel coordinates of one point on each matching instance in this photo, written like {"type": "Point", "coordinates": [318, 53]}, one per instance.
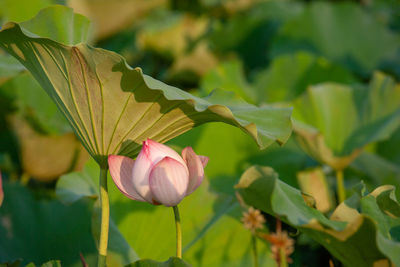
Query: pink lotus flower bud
{"type": "Point", "coordinates": [159, 175]}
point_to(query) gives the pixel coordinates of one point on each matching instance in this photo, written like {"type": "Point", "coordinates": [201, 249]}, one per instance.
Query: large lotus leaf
{"type": "Point", "coordinates": [66, 27]}
{"type": "Point", "coordinates": [60, 24]}
{"type": "Point", "coordinates": [334, 122]}
{"type": "Point", "coordinates": [344, 33]}
{"type": "Point", "coordinates": [35, 228]}
{"type": "Point", "coordinates": [360, 232]}
{"type": "Point", "coordinates": [60, 153]}
{"type": "Point", "coordinates": [211, 236]}
{"type": "Point", "coordinates": [113, 107]}
{"type": "Point", "coordinates": [76, 32]}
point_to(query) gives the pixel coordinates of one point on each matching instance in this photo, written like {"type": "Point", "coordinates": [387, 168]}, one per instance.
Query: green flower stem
{"type": "Point", "coordinates": [105, 218]}
{"type": "Point", "coordinates": [178, 232]}
{"type": "Point", "coordinates": [254, 246]}
{"type": "Point", "coordinates": [340, 186]}
{"type": "Point", "coordinates": [282, 256]}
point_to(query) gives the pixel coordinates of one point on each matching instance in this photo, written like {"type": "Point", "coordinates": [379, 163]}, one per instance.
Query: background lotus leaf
{"type": "Point", "coordinates": [35, 107]}
{"type": "Point", "coordinates": [129, 12]}
{"type": "Point", "coordinates": [250, 34]}
{"type": "Point", "coordinates": [45, 157]}
{"type": "Point", "coordinates": [385, 148]}
{"type": "Point", "coordinates": [289, 75]}
{"type": "Point", "coordinates": [377, 169]}
{"type": "Point", "coordinates": [284, 80]}
{"type": "Point", "coordinates": [9, 67]}
{"type": "Point", "coordinates": [337, 31]}
{"type": "Point", "coordinates": [229, 75]}
{"type": "Point", "coordinates": [54, 230]}
{"type": "Point", "coordinates": [334, 122]}
{"type": "Point", "coordinates": [362, 231]}
{"type": "Point", "coordinates": [313, 182]}
{"type": "Point", "coordinates": [171, 33]}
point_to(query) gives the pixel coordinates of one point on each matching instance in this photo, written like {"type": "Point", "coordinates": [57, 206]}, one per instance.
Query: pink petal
{"type": "Point", "coordinates": [151, 153]}
{"type": "Point", "coordinates": [196, 168]}
{"type": "Point", "coordinates": [140, 175]}
{"type": "Point", "coordinates": [169, 180]}
{"type": "Point", "coordinates": [157, 151]}
{"type": "Point", "coordinates": [121, 173]}
{"type": "Point", "coordinates": [204, 160]}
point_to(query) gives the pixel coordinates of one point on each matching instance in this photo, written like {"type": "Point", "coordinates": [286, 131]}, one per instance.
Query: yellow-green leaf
{"type": "Point", "coordinates": [334, 122]}
{"type": "Point", "coordinates": [113, 107]}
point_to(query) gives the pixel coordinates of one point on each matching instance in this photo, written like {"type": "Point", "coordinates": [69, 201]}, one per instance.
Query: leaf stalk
{"type": "Point", "coordinates": [341, 192]}
{"type": "Point", "coordinates": [105, 218]}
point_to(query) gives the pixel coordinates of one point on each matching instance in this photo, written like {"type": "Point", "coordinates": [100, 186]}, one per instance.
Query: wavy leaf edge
{"type": "Point", "coordinates": [199, 104]}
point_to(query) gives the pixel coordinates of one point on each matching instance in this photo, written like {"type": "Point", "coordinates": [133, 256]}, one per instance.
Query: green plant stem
{"type": "Point", "coordinates": [254, 246]}
{"type": "Point", "coordinates": [282, 257]}
{"type": "Point", "coordinates": [340, 186]}
{"type": "Point", "coordinates": [178, 232]}
{"type": "Point", "coordinates": [105, 218]}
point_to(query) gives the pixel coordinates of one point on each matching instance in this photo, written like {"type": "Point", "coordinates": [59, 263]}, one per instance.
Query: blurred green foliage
{"type": "Point", "coordinates": [345, 53]}
{"type": "Point", "coordinates": [362, 231]}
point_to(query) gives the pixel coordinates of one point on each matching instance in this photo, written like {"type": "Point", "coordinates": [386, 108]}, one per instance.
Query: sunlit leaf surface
{"type": "Point", "coordinates": [113, 108]}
